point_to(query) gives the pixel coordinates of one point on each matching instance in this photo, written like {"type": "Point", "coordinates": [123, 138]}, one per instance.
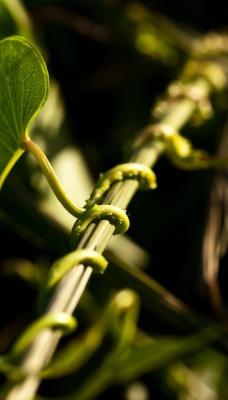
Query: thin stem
{"type": "Point", "coordinates": [20, 16]}
{"type": "Point", "coordinates": [51, 177]}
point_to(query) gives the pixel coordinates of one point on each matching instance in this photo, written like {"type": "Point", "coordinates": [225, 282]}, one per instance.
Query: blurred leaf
{"type": "Point", "coordinates": [151, 355]}
{"type": "Point", "coordinates": [144, 356]}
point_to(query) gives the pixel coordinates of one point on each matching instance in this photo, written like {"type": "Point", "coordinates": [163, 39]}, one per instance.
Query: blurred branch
{"type": "Point", "coordinates": [216, 234]}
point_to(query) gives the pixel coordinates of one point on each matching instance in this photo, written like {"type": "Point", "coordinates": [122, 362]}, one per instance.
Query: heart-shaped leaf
{"type": "Point", "coordinates": [24, 88]}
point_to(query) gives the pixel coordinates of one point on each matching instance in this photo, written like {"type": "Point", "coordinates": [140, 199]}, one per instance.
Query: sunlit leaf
{"type": "Point", "coordinates": [24, 87]}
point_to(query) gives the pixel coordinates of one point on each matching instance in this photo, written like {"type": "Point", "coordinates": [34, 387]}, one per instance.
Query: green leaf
{"type": "Point", "coordinates": [24, 88]}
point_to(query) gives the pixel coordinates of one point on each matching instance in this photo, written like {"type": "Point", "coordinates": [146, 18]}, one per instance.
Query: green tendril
{"type": "Point", "coordinates": [160, 131]}
{"type": "Point", "coordinates": [51, 177]}
{"type": "Point", "coordinates": [85, 257]}
{"type": "Point", "coordinates": [66, 322]}
{"type": "Point", "coordinates": [115, 215]}
{"type": "Point", "coordinates": [145, 176]}
{"type": "Point", "coordinates": [176, 144]}
{"type": "Point", "coordinates": [179, 149]}
{"type": "Point", "coordinates": [63, 321]}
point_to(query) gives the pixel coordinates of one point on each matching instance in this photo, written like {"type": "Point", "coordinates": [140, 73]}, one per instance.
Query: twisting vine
{"type": "Point", "coordinates": [115, 215]}
{"type": "Point", "coordinates": [93, 212]}
{"type": "Point", "coordinates": [180, 104]}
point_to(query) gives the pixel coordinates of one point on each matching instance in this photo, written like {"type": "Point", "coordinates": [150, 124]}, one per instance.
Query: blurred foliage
{"type": "Point", "coordinates": [109, 61]}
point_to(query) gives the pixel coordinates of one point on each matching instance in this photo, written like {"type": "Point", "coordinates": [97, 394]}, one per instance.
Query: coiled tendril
{"type": "Point", "coordinates": [115, 215]}
{"type": "Point", "coordinates": [178, 148]}
{"type": "Point", "coordinates": [60, 320]}
{"type": "Point", "coordinates": [92, 212]}
{"type": "Point", "coordinates": [59, 269]}
{"type": "Point", "coordinates": [145, 176]}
